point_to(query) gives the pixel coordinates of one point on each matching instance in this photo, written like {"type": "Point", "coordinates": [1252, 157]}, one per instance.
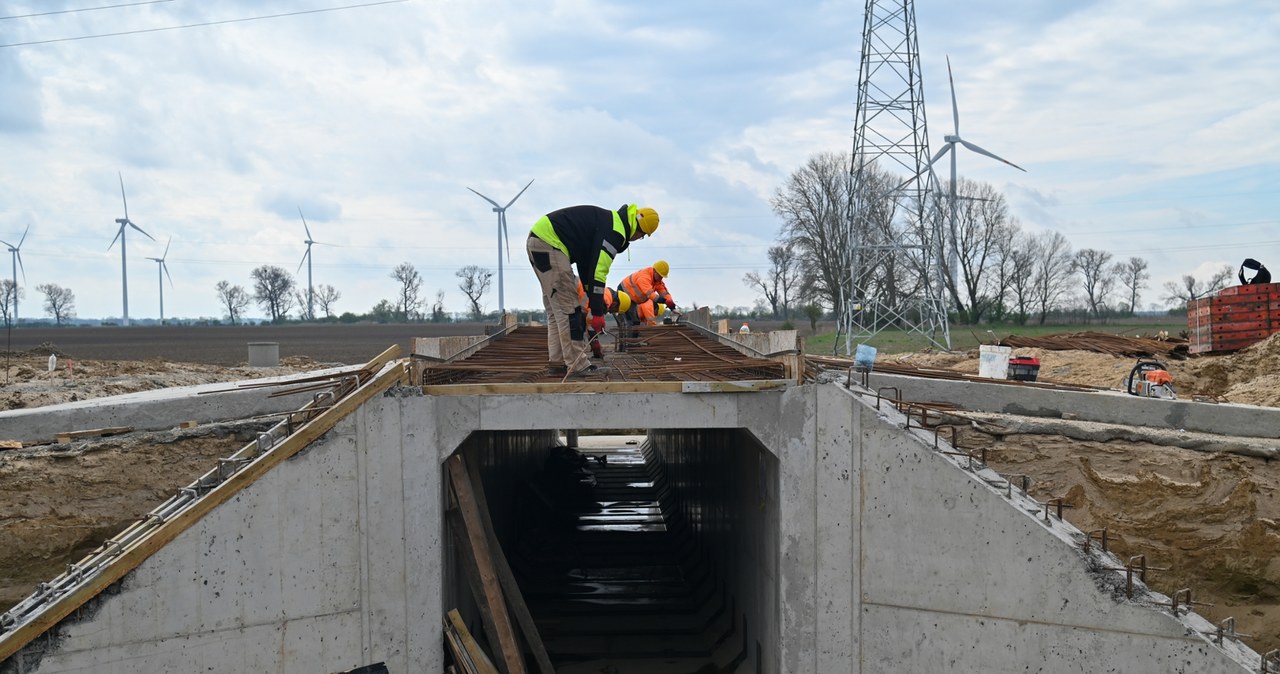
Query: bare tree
{"type": "Point", "coordinates": [1191, 288]}
{"type": "Point", "coordinates": [306, 310]}
{"type": "Point", "coordinates": [1021, 259]}
{"type": "Point", "coordinates": [59, 302]}
{"type": "Point", "coordinates": [273, 291]}
{"type": "Point", "coordinates": [1006, 270]}
{"type": "Point", "coordinates": [474, 284]}
{"type": "Point", "coordinates": [326, 296]}
{"type": "Point", "coordinates": [1097, 275]}
{"type": "Point", "coordinates": [779, 282]}
{"type": "Point", "coordinates": [234, 300]}
{"type": "Point", "coordinates": [814, 207]}
{"type": "Point", "coordinates": [1051, 271]}
{"type": "Point", "coordinates": [408, 303]}
{"type": "Point", "coordinates": [8, 293]}
{"type": "Point", "coordinates": [1133, 276]}
{"type": "Point", "coordinates": [437, 308]}
{"type": "Point", "coordinates": [982, 223]}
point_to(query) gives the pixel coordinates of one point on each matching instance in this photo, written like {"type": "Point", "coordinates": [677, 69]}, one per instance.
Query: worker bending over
{"type": "Point", "coordinates": [588, 238]}
{"type": "Point", "coordinates": [649, 294]}
{"type": "Point", "coordinates": [615, 303]}
{"type": "Point", "coordinates": [643, 313]}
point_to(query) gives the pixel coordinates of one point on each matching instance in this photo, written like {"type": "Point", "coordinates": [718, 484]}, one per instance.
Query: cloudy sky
{"type": "Point", "coordinates": [1148, 128]}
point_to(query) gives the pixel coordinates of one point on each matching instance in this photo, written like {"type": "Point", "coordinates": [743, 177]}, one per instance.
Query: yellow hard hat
{"type": "Point", "coordinates": [662, 268]}
{"type": "Point", "coordinates": [662, 309]}
{"type": "Point", "coordinates": [624, 302]}
{"type": "Point", "coordinates": [647, 219]}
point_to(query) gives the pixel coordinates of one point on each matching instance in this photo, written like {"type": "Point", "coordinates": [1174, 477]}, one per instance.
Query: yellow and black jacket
{"type": "Point", "coordinates": [591, 237]}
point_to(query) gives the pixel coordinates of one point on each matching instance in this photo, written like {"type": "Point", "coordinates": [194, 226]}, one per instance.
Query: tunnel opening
{"type": "Point", "coordinates": [635, 553]}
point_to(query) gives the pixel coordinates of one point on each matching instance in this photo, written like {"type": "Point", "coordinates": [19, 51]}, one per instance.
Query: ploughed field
{"type": "Point", "coordinates": [228, 344]}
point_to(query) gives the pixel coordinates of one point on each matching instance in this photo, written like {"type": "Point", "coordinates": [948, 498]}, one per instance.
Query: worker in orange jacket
{"type": "Point", "coordinates": [649, 294]}
{"type": "Point", "coordinates": [645, 313]}
{"type": "Point", "coordinates": [647, 285]}
{"type": "Point", "coordinates": [615, 303]}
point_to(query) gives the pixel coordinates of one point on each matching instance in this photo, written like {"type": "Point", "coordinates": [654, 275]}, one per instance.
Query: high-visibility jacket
{"type": "Point", "coordinates": [591, 237]}
{"type": "Point", "coordinates": [646, 284]}
{"type": "Point", "coordinates": [647, 313]}
{"type": "Point", "coordinates": [608, 298]}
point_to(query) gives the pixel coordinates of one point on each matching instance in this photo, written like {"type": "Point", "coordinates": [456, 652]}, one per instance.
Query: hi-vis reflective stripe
{"type": "Point", "coordinates": [613, 252]}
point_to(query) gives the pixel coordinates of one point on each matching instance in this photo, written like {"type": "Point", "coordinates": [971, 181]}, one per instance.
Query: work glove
{"type": "Point", "coordinates": [597, 323]}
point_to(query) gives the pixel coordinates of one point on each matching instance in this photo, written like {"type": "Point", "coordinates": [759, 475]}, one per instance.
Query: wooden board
{"type": "Point", "coordinates": [510, 588]}
{"type": "Point", "coordinates": [68, 436]}
{"type": "Point", "coordinates": [608, 387]}
{"type": "Point", "coordinates": [501, 630]}
{"type": "Point", "coordinates": [475, 656]}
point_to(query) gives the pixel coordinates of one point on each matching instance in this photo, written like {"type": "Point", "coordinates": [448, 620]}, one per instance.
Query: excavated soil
{"type": "Point", "coordinates": [59, 502]}
{"type": "Point", "coordinates": [1211, 517]}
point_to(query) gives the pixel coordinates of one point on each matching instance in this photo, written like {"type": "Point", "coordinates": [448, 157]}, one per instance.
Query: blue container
{"type": "Point", "coordinates": [864, 358]}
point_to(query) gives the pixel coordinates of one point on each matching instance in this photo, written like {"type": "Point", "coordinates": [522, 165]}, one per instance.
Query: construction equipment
{"type": "Point", "coordinates": [1150, 379]}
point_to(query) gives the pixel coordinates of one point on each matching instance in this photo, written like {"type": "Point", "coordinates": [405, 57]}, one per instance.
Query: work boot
{"type": "Point", "coordinates": [557, 369]}
{"type": "Point", "coordinates": [597, 351]}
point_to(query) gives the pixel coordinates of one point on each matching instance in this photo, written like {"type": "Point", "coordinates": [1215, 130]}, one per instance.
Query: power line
{"type": "Point", "coordinates": [202, 24]}
{"type": "Point", "coordinates": [83, 9]}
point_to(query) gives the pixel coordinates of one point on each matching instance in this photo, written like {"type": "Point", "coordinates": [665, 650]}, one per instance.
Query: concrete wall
{"type": "Point", "coordinates": [954, 576]}
{"type": "Point", "coordinates": [888, 556]}
{"type": "Point", "coordinates": [155, 410]}
{"type": "Point", "coordinates": [1112, 407]}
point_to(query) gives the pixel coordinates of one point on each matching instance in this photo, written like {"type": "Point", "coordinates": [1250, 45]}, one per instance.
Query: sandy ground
{"type": "Point", "coordinates": [1211, 517]}
{"type": "Point", "coordinates": [27, 381]}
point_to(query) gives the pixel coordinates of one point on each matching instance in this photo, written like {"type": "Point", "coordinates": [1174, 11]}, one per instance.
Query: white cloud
{"type": "Point", "coordinates": [1129, 117]}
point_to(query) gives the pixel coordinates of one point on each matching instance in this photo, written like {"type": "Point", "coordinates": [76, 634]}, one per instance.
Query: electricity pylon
{"type": "Point", "coordinates": [897, 246]}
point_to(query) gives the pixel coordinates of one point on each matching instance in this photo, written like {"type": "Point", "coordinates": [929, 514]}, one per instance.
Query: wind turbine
{"type": "Point", "coordinates": [950, 143]}
{"type": "Point", "coordinates": [306, 257]}
{"type": "Point", "coordinates": [502, 236]}
{"type": "Point", "coordinates": [17, 262]}
{"type": "Point", "coordinates": [124, 268]}
{"type": "Point", "coordinates": [162, 267]}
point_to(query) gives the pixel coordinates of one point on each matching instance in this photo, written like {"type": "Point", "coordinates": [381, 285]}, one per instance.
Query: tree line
{"type": "Point", "coordinates": [991, 270]}
{"type": "Point", "coordinates": [278, 294]}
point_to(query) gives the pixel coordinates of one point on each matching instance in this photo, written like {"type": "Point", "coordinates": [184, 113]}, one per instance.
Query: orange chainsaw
{"type": "Point", "coordinates": [1150, 379]}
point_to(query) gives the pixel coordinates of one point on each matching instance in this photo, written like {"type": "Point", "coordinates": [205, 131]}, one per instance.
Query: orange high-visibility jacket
{"type": "Point", "coordinates": [647, 312]}
{"type": "Point", "coordinates": [586, 303]}
{"type": "Point", "coordinates": [646, 285]}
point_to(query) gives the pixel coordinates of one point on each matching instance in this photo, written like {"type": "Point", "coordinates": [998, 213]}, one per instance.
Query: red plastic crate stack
{"type": "Point", "coordinates": [1236, 318]}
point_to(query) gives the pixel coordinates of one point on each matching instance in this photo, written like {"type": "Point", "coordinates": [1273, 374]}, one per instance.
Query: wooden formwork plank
{"type": "Point", "coordinates": [510, 588]}
{"type": "Point", "coordinates": [501, 630]}
{"type": "Point", "coordinates": [475, 656]}
{"type": "Point", "coordinates": [68, 436]}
